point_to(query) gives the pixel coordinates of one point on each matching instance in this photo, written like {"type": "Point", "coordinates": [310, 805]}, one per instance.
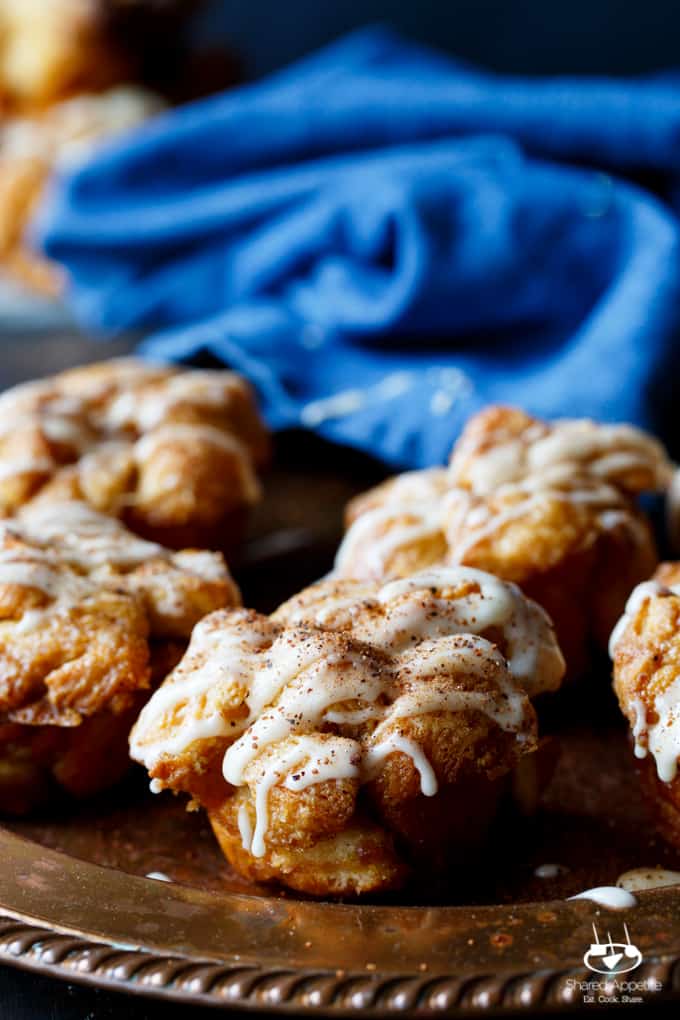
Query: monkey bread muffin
{"type": "Point", "coordinates": [361, 731]}
{"type": "Point", "coordinates": [90, 615]}
{"type": "Point", "coordinates": [549, 506]}
{"type": "Point", "coordinates": [173, 453]}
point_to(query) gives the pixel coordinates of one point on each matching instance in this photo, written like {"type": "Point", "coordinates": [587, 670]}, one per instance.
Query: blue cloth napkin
{"type": "Point", "coordinates": [384, 240]}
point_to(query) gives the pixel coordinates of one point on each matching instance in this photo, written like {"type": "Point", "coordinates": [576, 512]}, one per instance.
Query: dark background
{"type": "Point", "coordinates": [523, 36]}
{"type": "Point", "coordinates": [519, 36]}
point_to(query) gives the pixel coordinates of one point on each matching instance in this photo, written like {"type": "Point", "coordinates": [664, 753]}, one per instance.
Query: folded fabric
{"type": "Point", "coordinates": [383, 240]}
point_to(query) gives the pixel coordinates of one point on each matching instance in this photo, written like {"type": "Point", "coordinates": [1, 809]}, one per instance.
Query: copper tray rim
{"type": "Point", "coordinates": [82, 922]}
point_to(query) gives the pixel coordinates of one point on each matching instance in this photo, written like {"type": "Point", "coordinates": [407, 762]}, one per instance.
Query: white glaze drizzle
{"type": "Point", "coordinates": [68, 130]}
{"type": "Point", "coordinates": [604, 451]}
{"type": "Point", "coordinates": [23, 399]}
{"type": "Point", "coordinates": [410, 512]}
{"type": "Point", "coordinates": [663, 736]}
{"type": "Point", "coordinates": [306, 760]}
{"type": "Point", "coordinates": [640, 734]}
{"type": "Point", "coordinates": [85, 537]}
{"type": "Point", "coordinates": [378, 534]}
{"type": "Point", "coordinates": [300, 684]}
{"type": "Point", "coordinates": [33, 567]}
{"type": "Point", "coordinates": [482, 522]}
{"type": "Point", "coordinates": [505, 702]}
{"type": "Point", "coordinates": [148, 410]}
{"type": "Point", "coordinates": [245, 826]}
{"type": "Point", "coordinates": [575, 461]}
{"type": "Point", "coordinates": [84, 410]}
{"type": "Point", "coordinates": [70, 536]}
{"type": "Point", "coordinates": [60, 418]}
{"type": "Point", "coordinates": [28, 570]}
{"type": "Point", "coordinates": [188, 708]}
{"type": "Point", "coordinates": [637, 598]}
{"type": "Point", "coordinates": [490, 603]}
{"type": "Point", "coordinates": [25, 466]}
{"type": "Point", "coordinates": [610, 896]}
{"type": "Point", "coordinates": [376, 755]}
{"type": "Point", "coordinates": [661, 739]}
{"type": "Point", "coordinates": [292, 693]}
{"type": "Point", "coordinates": [419, 607]}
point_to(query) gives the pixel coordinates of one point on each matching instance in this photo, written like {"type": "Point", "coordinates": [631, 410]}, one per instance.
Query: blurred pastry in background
{"type": "Point", "coordinates": [33, 147]}
{"type": "Point", "coordinates": [645, 647]}
{"type": "Point", "coordinates": [174, 453]}
{"type": "Point", "coordinates": [74, 73]}
{"type": "Point", "coordinates": [90, 616]}
{"type": "Point", "coordinates": [360, 732]}
{"type": "Point", "coordinates": [53, 49]}
{"type": "Point", "coordinates": [552, 507]}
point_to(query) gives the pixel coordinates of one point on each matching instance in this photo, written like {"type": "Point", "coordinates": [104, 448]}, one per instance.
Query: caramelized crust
{"type": "Point", "coordinates": [39, 763]}
{"type": "Point", "coordinates": [358, 859]}
{"type": "Point", "coordinates": [172, 453]}
{"type": "Point", "coordinates": [359, 729]}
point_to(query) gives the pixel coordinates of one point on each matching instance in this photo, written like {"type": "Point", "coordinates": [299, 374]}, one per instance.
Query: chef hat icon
{"type": "Point", "coordinates": [606, 957]}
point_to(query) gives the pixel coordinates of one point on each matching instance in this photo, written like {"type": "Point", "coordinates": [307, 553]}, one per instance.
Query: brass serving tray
{"type": "Point", "coordinates": [82, 922]}
{"type": "Point", "coordinates": [75, 902]}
